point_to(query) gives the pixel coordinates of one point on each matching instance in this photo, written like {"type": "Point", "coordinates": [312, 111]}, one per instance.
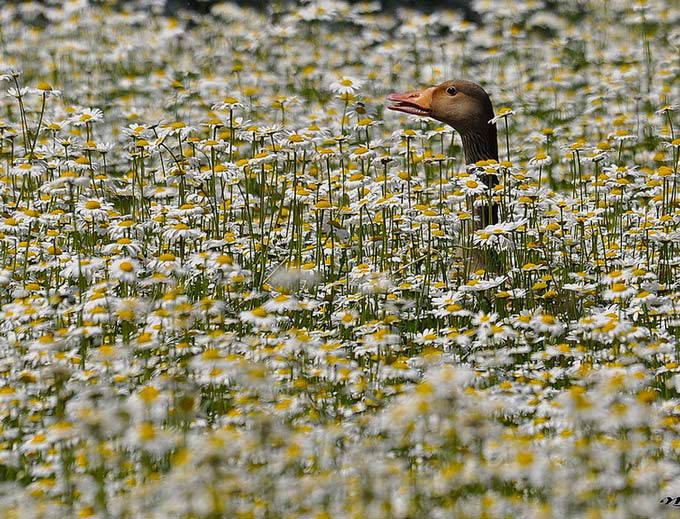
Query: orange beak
{"type": "Point", "coordinates": [416, 103]}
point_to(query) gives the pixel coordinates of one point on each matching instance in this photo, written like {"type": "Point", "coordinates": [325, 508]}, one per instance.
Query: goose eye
{"type": "Point", "coordinates": [451, 91]}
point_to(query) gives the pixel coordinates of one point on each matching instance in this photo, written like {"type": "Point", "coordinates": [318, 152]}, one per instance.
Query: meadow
{"type": "Point", "coordinates": [232, 284]}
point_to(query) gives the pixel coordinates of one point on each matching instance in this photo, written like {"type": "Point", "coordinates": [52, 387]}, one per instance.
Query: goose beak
{"type": "Point", "coordinates": [415, 103]}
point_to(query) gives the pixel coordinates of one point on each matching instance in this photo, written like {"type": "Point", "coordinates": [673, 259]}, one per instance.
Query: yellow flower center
{"type": "Point", "coordinates": [126, 266]}
{"type": "Point", "coordinates": [260, 312]}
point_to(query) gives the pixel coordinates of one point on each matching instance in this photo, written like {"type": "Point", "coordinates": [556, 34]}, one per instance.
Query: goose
{"type": "Point", "coordinates": [467, 108]}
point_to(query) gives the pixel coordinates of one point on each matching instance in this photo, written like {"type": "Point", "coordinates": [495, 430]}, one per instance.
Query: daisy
{"type": "Point", "coordinates": [93, 210]}
{"type": "Point", "coordinates": [546, 323]}
{"type": "Point", "coordinates": [129, 309]}
{"type": "Point", "coordinates": [363, 111]}
{"type": "Point", "coordinates": [501, 333]}
{"type": "Point", "coordinates": [282, 303]}
{"type": "Point", "coordinates": [124, 246]}
{"type": "Point", "coordinates": [258, 317]}
{"type": "Point", "coordinates": [618, 291]}
{"type": "Point", "coordinates": [483, 320]}
{"type": "Point", "coordinates": [472, 186]}
{"type": "Point", "coordinates": [126, 270]}
{"type": "Point", "coordinates": [346, 85]}
{"type": "Point", "coordinates": [427, 336]}
{"type": "Point", "coordinates": [502, 113]}
{"type": "Point", "coordinates": [86, 116]}
{"type": "Point", "coordinates": [540, 159]}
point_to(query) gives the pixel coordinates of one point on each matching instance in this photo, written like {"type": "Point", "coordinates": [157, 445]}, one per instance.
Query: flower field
{"type": "Point", "coordinates": [232, 284]}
